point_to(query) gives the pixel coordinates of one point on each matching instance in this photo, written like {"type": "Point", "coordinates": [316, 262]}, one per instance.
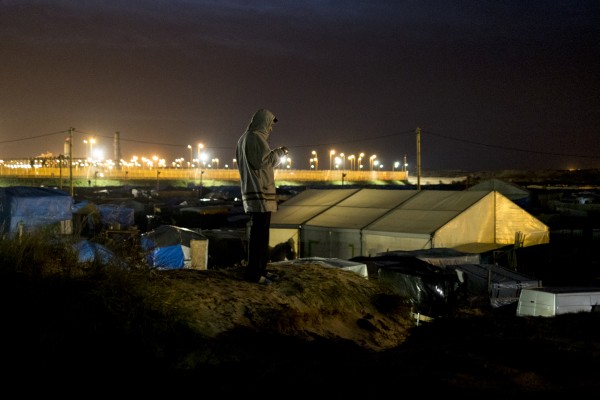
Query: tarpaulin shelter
{"type": "Point", "coordinates": [28, 208]}
{"type": "Point", "coordinates": [431, 290]}
{"type": "Point", "coordinates": [492, 284]}
{"type": "Point", "coordinates": [169, 247]}
{"type": "Point", "coordinates": [117, 216]}
{"type": "Point", "coordinates": [86, 218]}
{"type": "Point", "coordinates": [356, 267]}
{"type": "Point", "coordinates": [88, 251]}
{"type": "Point", "coordinates": [440, 256]}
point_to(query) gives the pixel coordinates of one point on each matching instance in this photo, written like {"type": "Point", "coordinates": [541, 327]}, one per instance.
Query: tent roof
{"type": "Point", "coordinates": [413, 219]}
{"type": "Point", "coordinates": [427, 211]}
{"type": "Point", "coordinates": [28, 191]}
{"type": "Point", "coordinates": [307, 204]}
{"type": "Point", "coordinates": [169, 235]}
{"type": "Point", "coordinates": [361, 208]}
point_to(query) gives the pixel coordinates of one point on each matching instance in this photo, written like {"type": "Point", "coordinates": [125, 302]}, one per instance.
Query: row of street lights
{"type": "Point", "coordinates": [201, 156]}
{"type": "Point", "coordinates": [335, 162]}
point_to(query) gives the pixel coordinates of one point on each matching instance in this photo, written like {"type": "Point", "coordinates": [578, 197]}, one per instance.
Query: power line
{"type": "Point", "coordinates": [32, 137]}
{"type": "Point", "coordinates": [511, 148]}
{"type": "Point", "coordinates": [337, 143]}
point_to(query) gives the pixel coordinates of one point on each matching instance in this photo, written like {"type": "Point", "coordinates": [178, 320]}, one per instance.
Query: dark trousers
{"type": "Point", "coordinates": [258, 245]}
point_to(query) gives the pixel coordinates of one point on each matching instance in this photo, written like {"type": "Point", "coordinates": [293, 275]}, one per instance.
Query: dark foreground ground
{"type": "Point", "coordinates": [94, 331]}
{"type": "Point", "coordinates": [316, 332]}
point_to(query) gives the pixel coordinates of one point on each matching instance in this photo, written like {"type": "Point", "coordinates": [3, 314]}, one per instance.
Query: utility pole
{"type": "Point", "coordinates": [418, 158]}
{"type": "Point", "coordinates": [71, 160]}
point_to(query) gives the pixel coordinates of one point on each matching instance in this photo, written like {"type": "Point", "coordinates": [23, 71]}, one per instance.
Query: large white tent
{"type": "Point", "coordinates": [345, 223]}
{"type": "Point", "coordinates": [299, 209]}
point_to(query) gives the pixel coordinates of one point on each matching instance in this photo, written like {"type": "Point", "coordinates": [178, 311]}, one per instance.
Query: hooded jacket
{"type": "Point", "coordinates": [256, 162]}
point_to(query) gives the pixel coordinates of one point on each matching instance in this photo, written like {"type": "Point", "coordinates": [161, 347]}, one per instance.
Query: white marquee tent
{"type": "Point", "coordinates": [345, 223]}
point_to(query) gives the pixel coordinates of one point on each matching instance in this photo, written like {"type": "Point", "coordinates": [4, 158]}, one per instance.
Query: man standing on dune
{"type": "Point", "coordinates": [256, 164]}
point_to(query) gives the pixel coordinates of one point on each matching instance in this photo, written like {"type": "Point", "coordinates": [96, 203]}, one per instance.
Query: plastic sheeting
{"type": "Point", "coordinates": [169, 247]}
{"type": "Point", "coordinates": [32, 208]}
{"type": "Point", "coordinates": [116, 215]}
{"type": "Point", "coordinates": [90, 252]}
{"type": "Point", "coordinates": [492, 284]}
{"type": "Point", "coordinates": [352, 266]}
{"type": "Point", "coordinates": [431, 290]}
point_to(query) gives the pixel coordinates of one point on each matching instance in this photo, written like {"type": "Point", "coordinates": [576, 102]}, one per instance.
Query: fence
{"type": "Point", "coordinates": [196, 174]}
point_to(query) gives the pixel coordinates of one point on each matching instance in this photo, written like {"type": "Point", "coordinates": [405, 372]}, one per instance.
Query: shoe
{"type": "Point", "coordinates": [264, 280]}
{"type": "Point", "coordinates": [271, 276]}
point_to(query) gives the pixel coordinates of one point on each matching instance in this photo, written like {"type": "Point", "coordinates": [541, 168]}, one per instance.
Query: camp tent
{"type": "Point", "coordinates": [349, 217]}
{"type": "Point", "coordinates": [169, 247]}
{"type": "Point", "coordinates": [297, 210]}
{"type": "Point", "coordinates": [367, 222]}
{"type": "Point", "coordinates": [434, 219]}
{"type": "Point", "coordinates": [492, 284]}
{"type": "Point", "coordinates": [431, 290]}
{"type": "Point", "coordinates": [28, 208]}
{"type": "Point", "coordinates": [116, 215]}
{"type": "Point", "coordinates": [88, 251]}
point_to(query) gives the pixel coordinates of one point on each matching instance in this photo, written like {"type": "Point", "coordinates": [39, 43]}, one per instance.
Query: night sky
{"type": "Point", "coordinates": [506, 84]}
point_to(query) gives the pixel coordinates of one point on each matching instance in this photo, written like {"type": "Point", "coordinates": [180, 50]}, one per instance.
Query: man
{"type": "Point", "coordinates": [256, 162]}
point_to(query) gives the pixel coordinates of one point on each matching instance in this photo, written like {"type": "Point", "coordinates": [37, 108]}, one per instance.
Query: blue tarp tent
{"type": "Point", "coordinates": [116, 215]}
{"type": "Point", "coordinates": [169, 247]}
{"type": "Point", "coordinates": [32, 207]}
{"type": "Point", "coordinates": [89, 252]}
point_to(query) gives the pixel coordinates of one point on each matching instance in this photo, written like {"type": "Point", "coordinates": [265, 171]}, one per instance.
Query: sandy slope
{"type": "Point", "coordinates": [317, 330]}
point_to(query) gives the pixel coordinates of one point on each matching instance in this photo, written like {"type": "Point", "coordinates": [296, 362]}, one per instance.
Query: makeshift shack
{"type": "Point", "coordinates": [116, 216]}
{"type": "Point", "coordinates": [89, 252]}
{"type": "Point", "coordinates": [25, 209]}
{"type": "Point", "coordinates": [552, 301]}
{"type": "Point", "coordinates": [492, 284]}
{"type": "Point", "coordinates": [430, 290]}
{"type": "Point", "coordinates": [169, 247]}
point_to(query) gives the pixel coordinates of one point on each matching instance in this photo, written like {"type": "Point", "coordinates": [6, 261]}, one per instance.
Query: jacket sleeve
{"type": "Point", "coordinates": [259, 154]}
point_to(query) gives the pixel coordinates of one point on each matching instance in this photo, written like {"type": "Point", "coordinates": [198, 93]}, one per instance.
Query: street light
{"type": "Point", "coordinates": [351, 159]}
{"type": "Point", "coordinates": [343, 156]}
{"type": "Point", "coordinates": [315, 159]}
{"type": "Point", "coordinates": [395, 165]}
{"type": "Point", "coordinates": [191, 156]}
{"type": "Point", "coordinates": [331, 154]}
{"type": "Point", "coordinates": [371, 160]}
{"type": "Point", "coordinates": [91, 143]}
{"type": "Point", "coordinates": [360, 157]}
{"type": "Point", "coordinates": [200, 147]}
